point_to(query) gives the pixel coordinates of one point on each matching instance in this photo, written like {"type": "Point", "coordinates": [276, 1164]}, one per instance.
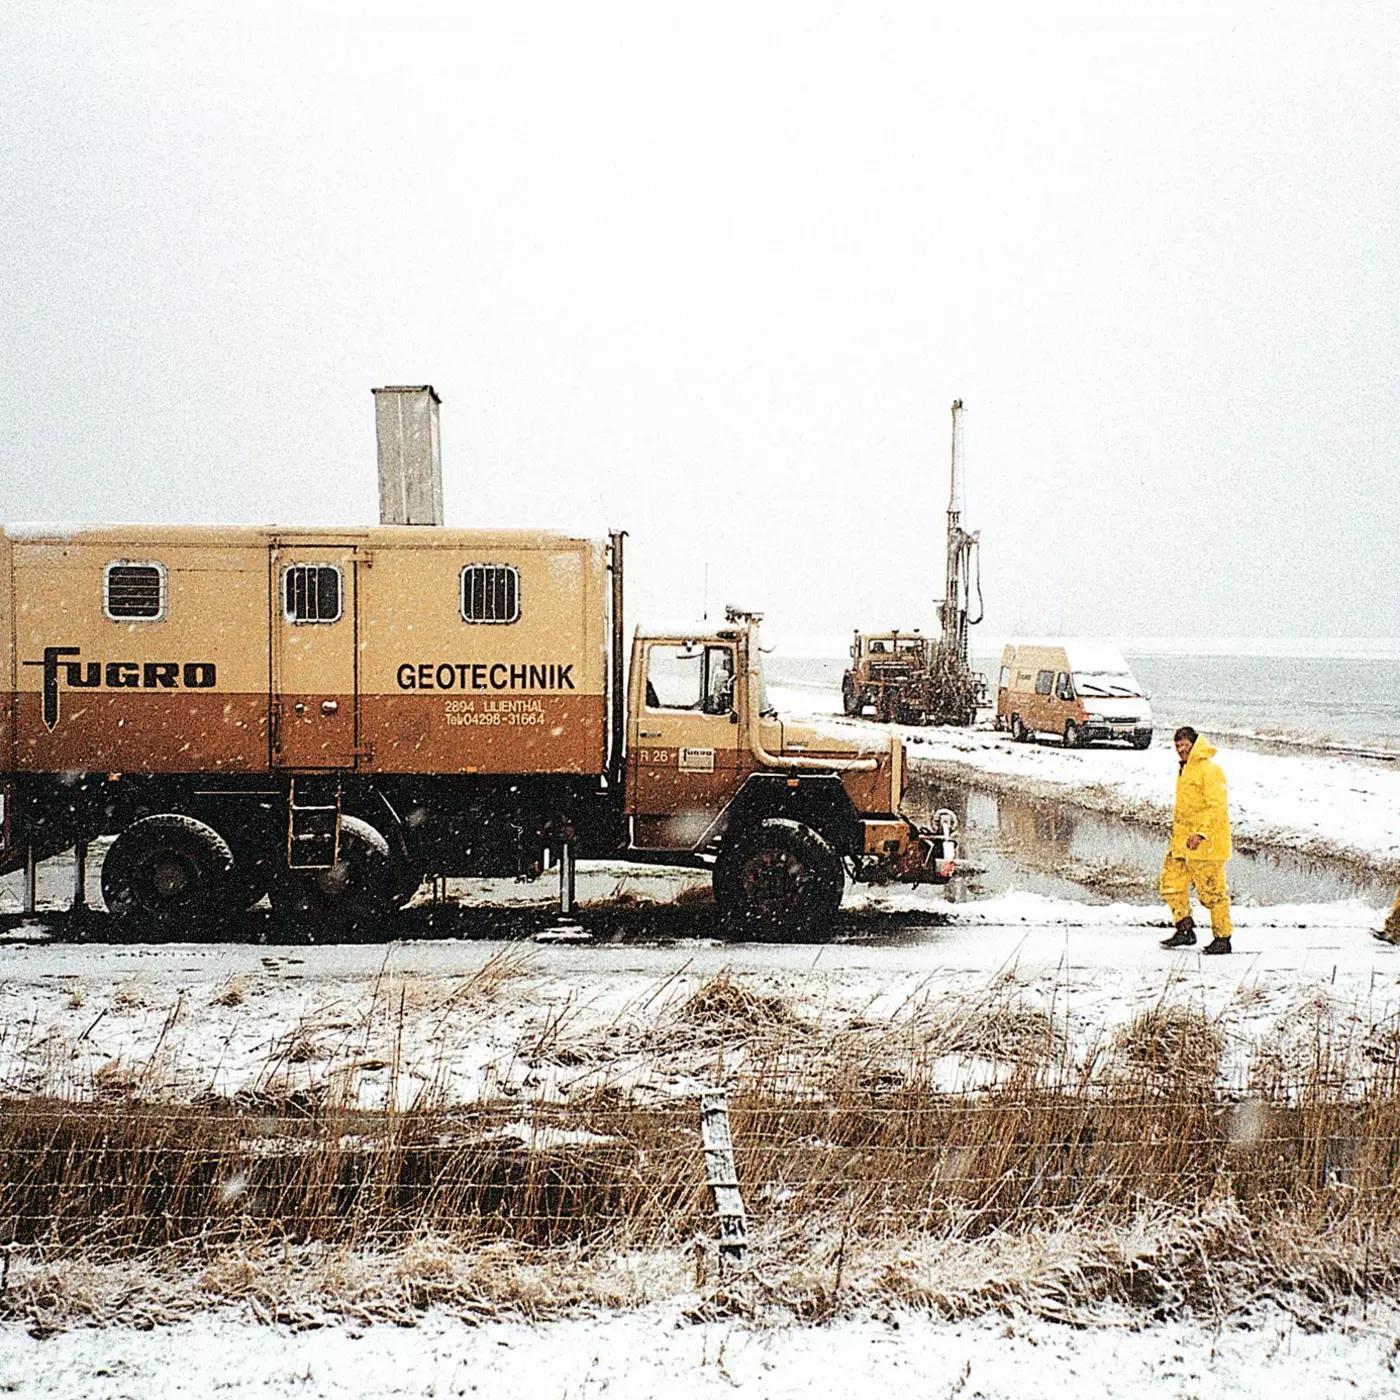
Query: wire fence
{"type": "Point", "coordinates": [129, 1175]}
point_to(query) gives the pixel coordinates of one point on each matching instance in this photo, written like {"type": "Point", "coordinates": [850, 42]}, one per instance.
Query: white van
{"type": "Point", "coordinates": [1078, 692]}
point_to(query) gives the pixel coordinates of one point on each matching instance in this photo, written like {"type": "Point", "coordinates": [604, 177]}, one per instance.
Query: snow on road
{"type": "Point", "coordinates": [485, 1017]}
{"type": "Point", "coordinates": [636, 1356]}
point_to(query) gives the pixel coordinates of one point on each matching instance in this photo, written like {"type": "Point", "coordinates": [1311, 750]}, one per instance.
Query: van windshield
{"type": "Point", "coordinates": [1106, 683]}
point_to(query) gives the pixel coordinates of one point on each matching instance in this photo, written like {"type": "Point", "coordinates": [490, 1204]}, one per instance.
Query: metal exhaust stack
{"type": "Point", "coordinates": [410, 454]}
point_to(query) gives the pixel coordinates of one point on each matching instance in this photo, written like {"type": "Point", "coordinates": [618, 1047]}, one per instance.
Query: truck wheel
{"type": "Point", "coordinates": [168, 873]}
{"type": "Point", "coordinates": [779, 880]}
{"type": "Point", "coordinates": [347, 901]}
{"type": "Point", "coordinates": [1142, 741]}
{"type": "Point", "coordinates": [850, 702]}
{"type": "Point", "coordinates": [1073, 739]}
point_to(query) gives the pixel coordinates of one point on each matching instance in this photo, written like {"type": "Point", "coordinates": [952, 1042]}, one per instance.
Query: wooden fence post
{"type": "Point", "coordinates": [722, 1176]}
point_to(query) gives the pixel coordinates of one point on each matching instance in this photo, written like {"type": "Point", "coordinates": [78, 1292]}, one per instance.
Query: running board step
{"type": "Point", "coordinates": [313, 824]}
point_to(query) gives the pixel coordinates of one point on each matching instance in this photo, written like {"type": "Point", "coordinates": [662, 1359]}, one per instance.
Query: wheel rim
{"type": "Point", "coordinates": [168, 880]}
{"type": "Point", "coordinates": [772, 880]}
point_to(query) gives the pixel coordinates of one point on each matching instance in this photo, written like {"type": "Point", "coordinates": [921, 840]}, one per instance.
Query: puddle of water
{"type": "Point", "coordinates": [1061, 851]}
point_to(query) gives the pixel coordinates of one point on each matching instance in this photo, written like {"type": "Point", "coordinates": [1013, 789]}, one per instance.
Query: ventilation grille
{"type": "Point", "coordinates": [311, 593]}
{"type": "Point", "coordinates": [490, 593]}
{"type": "Point", "coordinates": [135, 592]}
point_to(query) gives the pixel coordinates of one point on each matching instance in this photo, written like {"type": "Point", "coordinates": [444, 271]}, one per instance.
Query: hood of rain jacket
{"type": "Point", "coordinates": [1201, 806]}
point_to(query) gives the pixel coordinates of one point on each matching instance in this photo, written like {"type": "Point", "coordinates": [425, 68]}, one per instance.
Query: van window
{"type": "Point", "coordinates": [1044, 682]}
{"type": "Point", "coordinates": [1063, 688]}
{"type": "Point", "coordinates": [490, 593]}
{"type": "Point", "coordinates": [311, 593]}
{"type": "Point", "coordinates": [133, 592]}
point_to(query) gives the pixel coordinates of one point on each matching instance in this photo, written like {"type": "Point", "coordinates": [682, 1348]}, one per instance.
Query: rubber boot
{"type": "Point", "coordinates": [1185, 935]}
{"type": "Point", "coordinates": [1217, 945]}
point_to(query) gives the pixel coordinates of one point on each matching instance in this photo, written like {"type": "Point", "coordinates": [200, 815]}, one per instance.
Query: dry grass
{"type": "Point", "coordinates": [1059, 1185]}
{"type": "Point", "coordinates": [729, 1004]}
{"type": "Point", "coordinates": [1167, 1041]}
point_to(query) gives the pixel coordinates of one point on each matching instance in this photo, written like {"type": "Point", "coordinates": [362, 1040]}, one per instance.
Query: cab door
{"type": "Point", "coordinates": [684, 762]}
{"type": "Point", "coordinates": [314, 657]}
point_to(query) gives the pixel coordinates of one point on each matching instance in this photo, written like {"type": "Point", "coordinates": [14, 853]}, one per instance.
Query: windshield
{"type": "Point", "coordinates": [1107, 684]}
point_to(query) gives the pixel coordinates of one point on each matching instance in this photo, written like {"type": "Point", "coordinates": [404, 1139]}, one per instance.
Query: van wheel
{"type": "Point", "coordinates": [1073, 738]}
{"type": "Point", "coordinates": [1019, 732]}
{"type": "Point", "coordinates": [779, 880]}
{"type": "Point", "coordinates": [348, 901]}
{"type": "Point", "coordinates": [168, 874]}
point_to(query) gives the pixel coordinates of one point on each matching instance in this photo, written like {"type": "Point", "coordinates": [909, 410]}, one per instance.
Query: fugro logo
{"type": "Point", "coordinates": [67, 663]}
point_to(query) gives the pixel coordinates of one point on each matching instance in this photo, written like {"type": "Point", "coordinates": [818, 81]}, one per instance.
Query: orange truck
{"type": "Point", "coordinates": [329, 716]}
{"type": "Point", "coordinates": [888, 674]}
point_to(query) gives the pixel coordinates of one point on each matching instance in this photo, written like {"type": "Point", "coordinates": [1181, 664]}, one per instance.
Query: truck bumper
{"type": "Point", "coordinates": [1124, 733]}
{"type": "Point", "coordinates": [897, 851]}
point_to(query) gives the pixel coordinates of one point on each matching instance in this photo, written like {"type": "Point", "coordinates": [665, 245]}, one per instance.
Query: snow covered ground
{"type": "Point", "coordinates": [1324, 805]}
{"type": "Point", "coordinates": [637, 1356]}
{"type": "Point", "coordinates": [465, 1018]}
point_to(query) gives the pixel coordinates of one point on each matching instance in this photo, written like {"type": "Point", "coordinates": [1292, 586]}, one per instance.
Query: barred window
{"type": "Point", "coordinates": [133, 592]}
{"type": "Point", "coordinates": [311, 593]}
{"type": "Point", "coordinates": [490, 593]}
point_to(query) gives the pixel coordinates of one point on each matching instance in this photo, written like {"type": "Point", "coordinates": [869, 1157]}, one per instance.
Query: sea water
{"type": "Point", "coordinates": [1348, 702]}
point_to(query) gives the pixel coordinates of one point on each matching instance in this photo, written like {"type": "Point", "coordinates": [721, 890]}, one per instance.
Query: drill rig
{"type": "Point", "coordinates": [910, 678]}
{"type": "Point", "coordinates": [954, 688]}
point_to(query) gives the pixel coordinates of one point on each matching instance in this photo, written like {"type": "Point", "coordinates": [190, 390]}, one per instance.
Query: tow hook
{"type": "Point", "coordinates": [931, 857]}
{"type": "Point", "coordinates": [944, 858]}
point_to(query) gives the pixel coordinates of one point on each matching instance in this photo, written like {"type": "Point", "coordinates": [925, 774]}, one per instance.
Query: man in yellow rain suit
{"type": "Point", "coordinates": [1389, 932]}
{"type": "Point", "coordinates": [1200, 845]}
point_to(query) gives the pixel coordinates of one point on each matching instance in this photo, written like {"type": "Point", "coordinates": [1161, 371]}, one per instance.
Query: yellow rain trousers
{"type": "Point", "coordinates": [1208, 876]}
{"type": "Point", "coordinates": [1201, 809]}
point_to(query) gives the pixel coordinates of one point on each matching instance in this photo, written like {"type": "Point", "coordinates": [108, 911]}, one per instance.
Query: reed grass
{"type": "Point", "coordinates": [1124, 1173]}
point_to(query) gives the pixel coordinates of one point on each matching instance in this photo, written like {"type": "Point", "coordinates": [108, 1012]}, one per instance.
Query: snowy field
{"type": "Point", "coordinates": [465, 1018]}
{"type": "Point", "coordinates": [1319, 804]}
{"type": "Point", "coordinates": [640, 1355]}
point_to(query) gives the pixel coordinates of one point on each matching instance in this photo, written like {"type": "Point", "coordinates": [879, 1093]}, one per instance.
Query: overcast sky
{"type": "Point", "coordinates": [714, 276]}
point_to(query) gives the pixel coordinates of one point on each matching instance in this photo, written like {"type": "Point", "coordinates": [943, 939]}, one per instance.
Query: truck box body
{"type": "Point", "coordinates": [253, 650]}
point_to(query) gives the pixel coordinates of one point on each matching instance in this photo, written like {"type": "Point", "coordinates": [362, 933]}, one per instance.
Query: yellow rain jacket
{"type": "Point", "coordinates": [1201, 807]}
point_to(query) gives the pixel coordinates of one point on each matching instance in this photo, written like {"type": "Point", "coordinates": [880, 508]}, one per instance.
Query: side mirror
{"type": "Point", "coordinates": [734, 716]}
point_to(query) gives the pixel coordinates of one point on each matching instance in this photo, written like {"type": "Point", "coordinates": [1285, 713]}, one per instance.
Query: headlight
{"type": "Point", "coordinates": [1095, 719]}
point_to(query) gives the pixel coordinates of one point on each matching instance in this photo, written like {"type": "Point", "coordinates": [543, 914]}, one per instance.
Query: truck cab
{"type": "Point", "coordinates": [889, 673]}
{"type": "Point", "coordinates": [715, 775]}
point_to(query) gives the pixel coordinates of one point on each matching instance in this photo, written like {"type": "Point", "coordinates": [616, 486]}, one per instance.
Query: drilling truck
{"type": "Point", "coordinates": [907, 678]}
{"type": "Point", "coordinates": [329, 716]}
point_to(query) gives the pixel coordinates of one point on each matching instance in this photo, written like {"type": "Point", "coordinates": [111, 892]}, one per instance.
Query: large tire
{"type": "Point", "coordinates": [1143, 741]}
{"type": "Point", "coordinates": [779, 879]}
{"type": "Point", "coordinates": [168, 874]}
{"type": "Point", "coordinates": [1019, 732]}
{"type": "Point", "coordinates": [348, 901]}
{"type": "Point", "coordinates": [1073, 738]}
